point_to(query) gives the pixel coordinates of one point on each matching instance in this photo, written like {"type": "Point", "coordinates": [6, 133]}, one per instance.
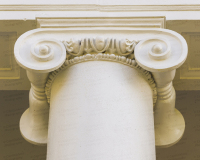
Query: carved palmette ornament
{"type": "Point", "coordinates": [122, 47]}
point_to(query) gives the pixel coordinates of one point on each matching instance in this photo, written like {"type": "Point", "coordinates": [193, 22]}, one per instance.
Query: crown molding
{"type": "Point", "coordinates": [75, 22]}
{"type": "Point", "coordinates": [97, 7]}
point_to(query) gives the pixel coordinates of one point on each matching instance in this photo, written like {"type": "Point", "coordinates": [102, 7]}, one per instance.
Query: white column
{"type": "Point", "coordinates": [101, 110]}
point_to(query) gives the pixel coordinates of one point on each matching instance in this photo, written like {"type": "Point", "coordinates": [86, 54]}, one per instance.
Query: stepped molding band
{"type": "Point", "coordinates": [98, 7]}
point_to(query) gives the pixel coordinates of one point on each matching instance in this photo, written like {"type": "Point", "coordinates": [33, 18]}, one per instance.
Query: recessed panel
{"type": "Point", "coordinates": [191, 68]}
{"type": "Point", "coordinates": [9, 69]}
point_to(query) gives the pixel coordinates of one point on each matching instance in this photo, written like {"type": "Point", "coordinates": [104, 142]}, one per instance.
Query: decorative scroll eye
{"type": "Point", "coordinates": [41, 51]}
{"type": "Point", "coordinates": [160, 50]}
{"type": "Point", "coordinates": [157, 49]}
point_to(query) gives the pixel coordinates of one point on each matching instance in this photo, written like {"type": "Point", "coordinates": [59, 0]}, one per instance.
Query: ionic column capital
{"type": "Point", "coordinates": [158, 51]}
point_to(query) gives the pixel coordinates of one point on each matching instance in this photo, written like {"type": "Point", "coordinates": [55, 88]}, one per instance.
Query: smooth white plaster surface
{"type": "Point", "coordinates": [101, 111]}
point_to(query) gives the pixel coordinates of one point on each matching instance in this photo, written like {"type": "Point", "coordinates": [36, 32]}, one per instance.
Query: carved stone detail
{"type": "Point", "coordinates": [159, 55]}
{"type": "Point", "coordinates": [99, 44]}
{"type": "Point", "coordinates": [160, 51]}
{"type": "Point", "coordinates": [101, 57]}
{"type": "Point", "coordinates": [42, 52]}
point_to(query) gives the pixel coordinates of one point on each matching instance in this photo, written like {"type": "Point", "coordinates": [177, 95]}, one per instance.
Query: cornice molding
{"type": "Point", "coordinates": [101, 8]}
{"type": "Point", "coordinates": [81, 22]}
